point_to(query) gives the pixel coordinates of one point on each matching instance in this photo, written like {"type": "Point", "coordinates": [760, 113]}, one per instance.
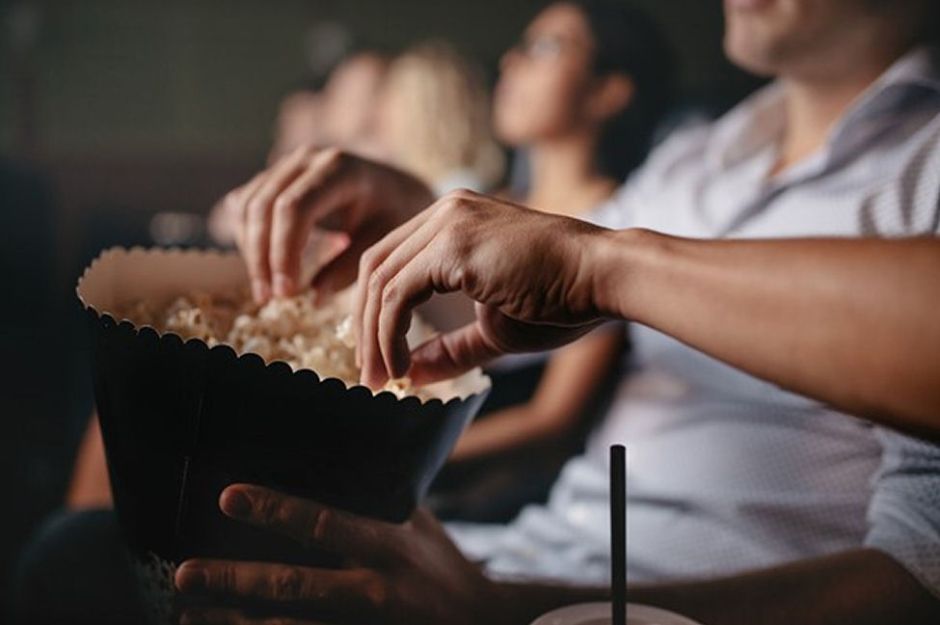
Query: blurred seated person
{"type": "Point", "coordinates": [433, 120]}
{"type": "Point", "coordinates": [301, 120]}
{"type": "Point", "coordinates": [582, 94]}
{"type": "Point", "coordinates": [350, 96]}
{"type": "Point", "coordinates": [342, 114]}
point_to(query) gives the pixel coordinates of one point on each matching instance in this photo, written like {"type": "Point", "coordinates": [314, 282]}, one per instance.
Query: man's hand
{"type": "Point", "coordinates": [532, 275]}
{"type": "Point", "coordinates": [410, 573]}
{"type": "Point", "coordinates": [276, 211]}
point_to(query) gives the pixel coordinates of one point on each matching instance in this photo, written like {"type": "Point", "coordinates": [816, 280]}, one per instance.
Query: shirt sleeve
{"type": "Point", "coordinates": [904, 514]}
{"type": "Point", "coordinates": [925, 189]}
{"type": "Point", "coordinates": [919, 186]}
{"type": "Point", "coordinates": [642, 193]}
{"type": "Point", "coordinates": [615, 213]}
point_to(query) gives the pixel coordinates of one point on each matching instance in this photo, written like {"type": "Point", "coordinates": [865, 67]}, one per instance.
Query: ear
{"type": "Point", "coordinates": [612, 94]}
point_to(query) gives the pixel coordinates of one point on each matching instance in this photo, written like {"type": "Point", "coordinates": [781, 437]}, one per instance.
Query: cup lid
{"type": "Point", "coordinates": [599, 614]}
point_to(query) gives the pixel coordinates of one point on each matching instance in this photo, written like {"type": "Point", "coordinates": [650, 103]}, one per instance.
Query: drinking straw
{"type": "Point", "coordinates": [618, 534]}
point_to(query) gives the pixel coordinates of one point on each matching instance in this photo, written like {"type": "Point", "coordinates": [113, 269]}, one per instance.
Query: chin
{"type": "Point", "coordinates": [510, 132]}
{"type": "Point", "coordinates": [747, 53]}
{"type": "Point", "coordinates": [512, 140]}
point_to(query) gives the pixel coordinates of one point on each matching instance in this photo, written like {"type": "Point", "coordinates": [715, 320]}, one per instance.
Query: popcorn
{"type": "Point", "coordinates": [292, 330]}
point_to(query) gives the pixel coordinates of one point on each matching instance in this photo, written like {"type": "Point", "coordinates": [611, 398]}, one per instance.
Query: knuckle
{"type": "Point", "coordinates": [286, 205]}
{"type": "Point", "coordinates": [285, 514]}
{"type": "Point", "coordinates": [231, 201]}
{"type": "Point", "coordinates": [269, 510]}
{"type": "Point", "coordinates": [323, 521]}
{"type": "Point", "coordinates": [257, 207]}
{"type": "Point", "coordinates": [450, 203]}
{"type": "Point", "coordinates": [302, 151]}
{"type": "Point", "coordinates": [464, 202]}
{"type": "Point", "coordinates": [376, 593]}
{"type": "Point", "coordinates": [459, 196]}
{"type": "Point", "coordinates": [367, 262]}
{"type": "Point", "coordinates": [226, 577]}
{"type": "Point", "coordinates": [376, 282]}
{"type": "Point", "coordinates": [331, 156]}
{"type": "Point", "coordinates": [460, 276]}
{"type": "Point", "coordinates": [391, 292]}
{"type": "Point", "coordinates": [287, 584]}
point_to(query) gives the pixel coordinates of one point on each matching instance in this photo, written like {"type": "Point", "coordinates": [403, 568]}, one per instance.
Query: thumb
{"type": "Point", "coordinates": [448, 355]}
{"type": "Point", "coordinates": [492, 334]}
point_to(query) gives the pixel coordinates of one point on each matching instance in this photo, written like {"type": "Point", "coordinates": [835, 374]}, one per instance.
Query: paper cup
{"type": "Point", "coordinates": [599, 614]}
{"type": "Point", "coordinates": [181, 421]}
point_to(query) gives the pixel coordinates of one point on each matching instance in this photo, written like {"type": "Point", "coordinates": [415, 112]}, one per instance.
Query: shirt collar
{"type": "Point", "coordinates": [758, 123]}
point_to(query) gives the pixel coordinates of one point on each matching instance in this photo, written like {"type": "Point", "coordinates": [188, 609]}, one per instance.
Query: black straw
{"type": "Point", "coordinates": [618, 534]}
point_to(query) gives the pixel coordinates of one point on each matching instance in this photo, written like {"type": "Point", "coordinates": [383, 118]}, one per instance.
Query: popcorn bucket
{"type": "Point", "coordinates": [181, 421]}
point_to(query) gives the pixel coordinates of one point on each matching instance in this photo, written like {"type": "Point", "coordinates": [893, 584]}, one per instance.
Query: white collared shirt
{"type": "Point", "coordinates": [728, 473]}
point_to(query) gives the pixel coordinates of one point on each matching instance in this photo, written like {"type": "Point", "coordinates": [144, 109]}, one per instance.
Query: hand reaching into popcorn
{"type": "Point", "coordinates": [277, 210]}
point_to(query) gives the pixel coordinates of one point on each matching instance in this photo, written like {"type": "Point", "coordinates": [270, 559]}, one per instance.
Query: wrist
{"type": "Point", "coordinates": [624, 263]}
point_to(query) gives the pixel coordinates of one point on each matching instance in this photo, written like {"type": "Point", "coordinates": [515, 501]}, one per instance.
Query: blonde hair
{"type": "Point", "coordinates": [443, 116]}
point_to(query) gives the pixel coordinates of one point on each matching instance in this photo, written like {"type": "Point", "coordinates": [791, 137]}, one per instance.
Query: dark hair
{"type": "Point", "coordinates": [932, 28]}
{"type": "Point", "coordinates": [628, 41]}
{"type": "Point", "coordinates": [926, 22]}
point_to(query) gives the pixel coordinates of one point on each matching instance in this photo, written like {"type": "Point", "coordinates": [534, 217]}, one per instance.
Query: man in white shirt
{"type": "Point", "coordinates": [766, 476]}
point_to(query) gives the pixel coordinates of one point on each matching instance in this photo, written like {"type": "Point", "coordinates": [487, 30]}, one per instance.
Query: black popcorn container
{"type": "Point", "coordinates": [181, 421]}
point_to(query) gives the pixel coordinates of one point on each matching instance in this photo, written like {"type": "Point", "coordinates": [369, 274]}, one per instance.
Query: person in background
{"type": "Point", "coordinates": [582, 93]}
{"type": "Point", "coordinates": [341, 114]}
{"type": "Point", "coordinates": [301, 120]}
{"type": "Point", "coordinates": [434, 120]}
{"type": "Point", "coordinates": [350, 98]}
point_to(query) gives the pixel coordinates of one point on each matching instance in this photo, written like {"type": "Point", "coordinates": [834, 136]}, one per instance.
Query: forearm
{"type": "Point", "coordinates": [849, 322]}
{"type": "Point", "coordinates": [863, 587]}
{"type": "Point", "coordinates": [507, 429]}
{"type": "Point", "coordinates": [511, 429]}
{"type": "Point", "coordinates": [90, 486]}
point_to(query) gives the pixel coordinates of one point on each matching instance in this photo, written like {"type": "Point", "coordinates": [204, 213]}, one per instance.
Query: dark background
{"type": "Point", "coordinates": [114, 110]}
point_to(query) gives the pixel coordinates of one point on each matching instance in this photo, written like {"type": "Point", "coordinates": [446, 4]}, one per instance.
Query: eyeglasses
{"type": "Point", "coordinates": [546, 47]}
